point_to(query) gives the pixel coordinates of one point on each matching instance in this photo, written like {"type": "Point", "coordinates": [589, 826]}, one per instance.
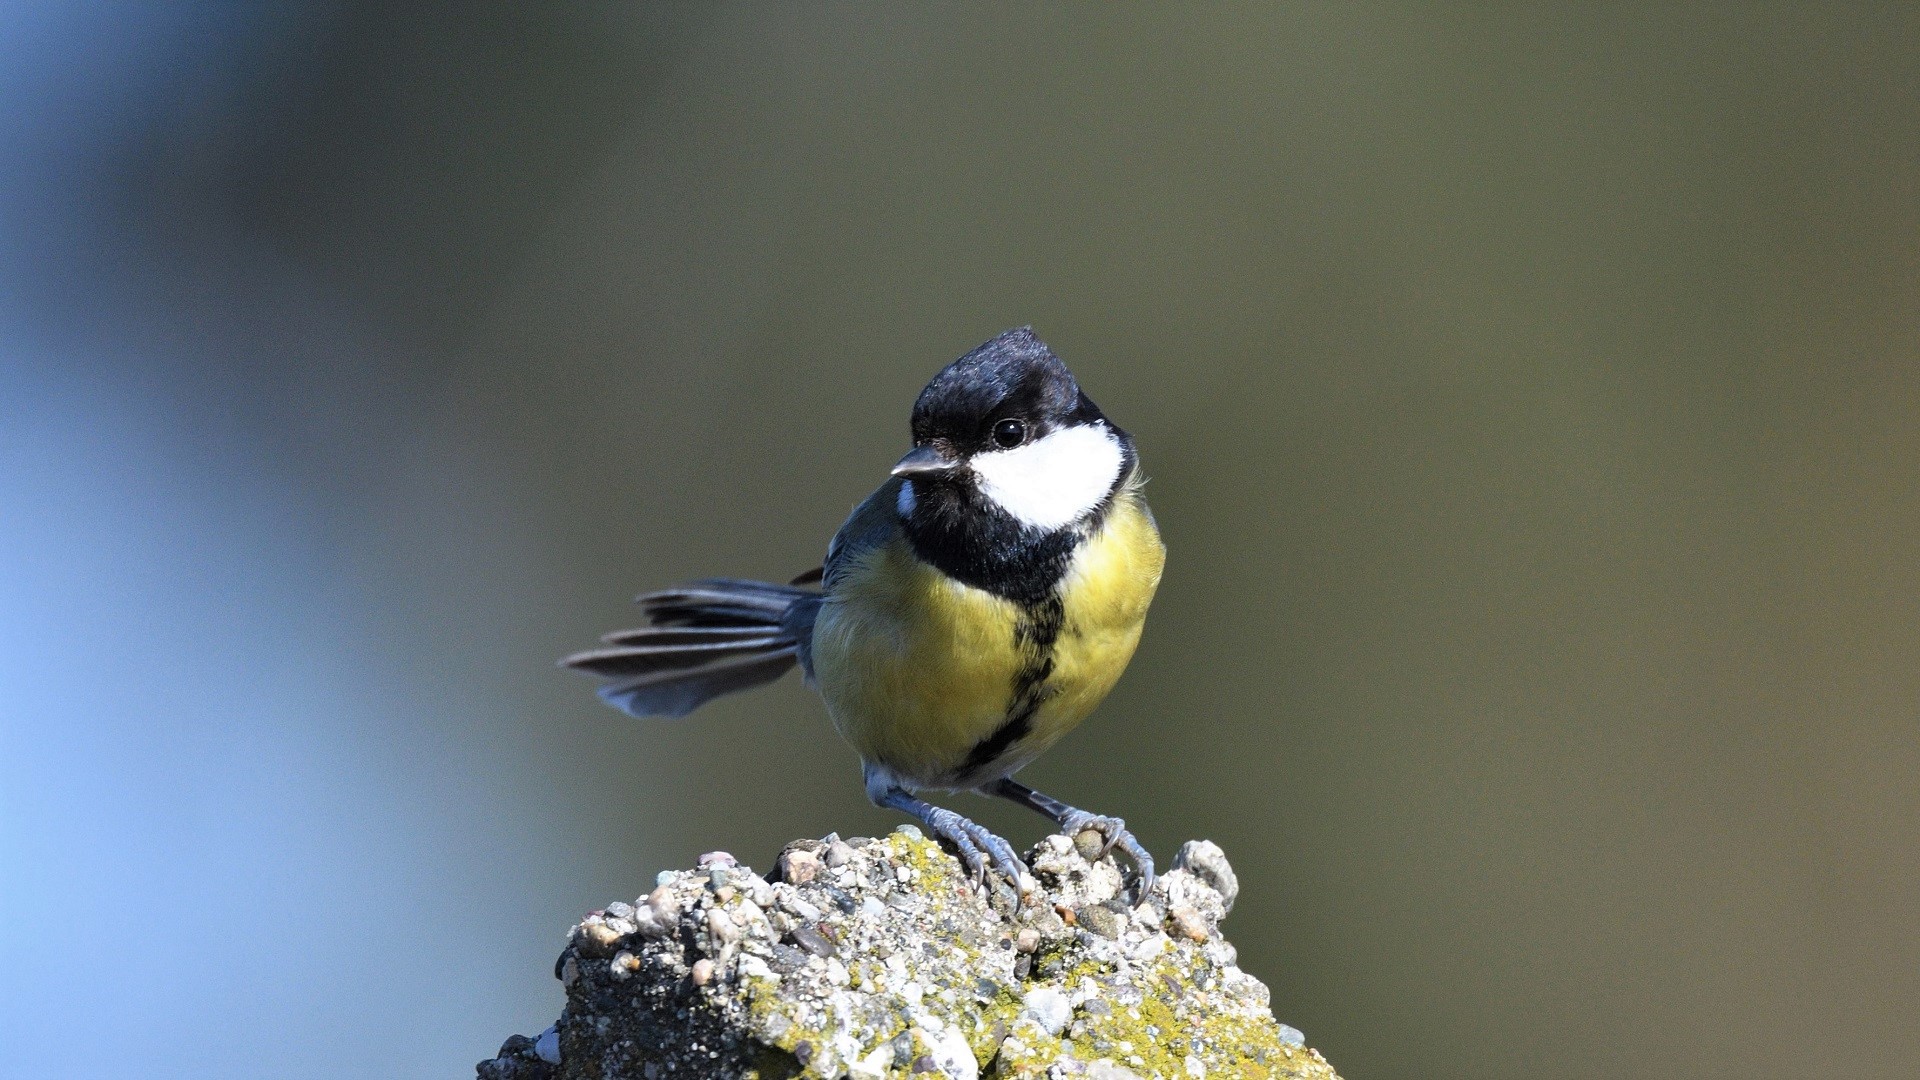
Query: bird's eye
{"type": "Point", "coordinates": [1009, 433]}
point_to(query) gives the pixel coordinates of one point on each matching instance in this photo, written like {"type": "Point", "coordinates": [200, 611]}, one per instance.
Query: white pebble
{"type": "Point", "coordinates": [648, 924]}
{"type": "Point", "coordinates": [665, 908]}
{"type": "Point", "coordinates": [874, 1066]}
{"type": "Point", "coordinates": [547, 1046]}
{"type": "Point", "coordinates": [1153, 946]}
{"type": "Point", "coordinates": [1049, 1008]}
{"type": "Point", "coordinates": [947, 1045]}
{"type": "Point", "coordinates": [623, 965]}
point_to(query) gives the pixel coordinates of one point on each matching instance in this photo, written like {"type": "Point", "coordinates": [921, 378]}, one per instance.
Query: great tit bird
{"type": "Point", "coordinates": [969, 613]}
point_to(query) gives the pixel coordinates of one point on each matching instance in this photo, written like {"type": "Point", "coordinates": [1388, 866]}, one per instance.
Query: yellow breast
{"type": "Point", "coordinates": [917, 669]}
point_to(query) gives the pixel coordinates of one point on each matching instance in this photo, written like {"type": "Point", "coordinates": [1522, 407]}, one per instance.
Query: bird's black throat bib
{"type": "Point", "coordinates": [976, 543]}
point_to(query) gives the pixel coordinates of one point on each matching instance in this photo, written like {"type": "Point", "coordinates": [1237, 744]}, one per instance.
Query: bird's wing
{"type": "Point", "coordinates": [872, 523]}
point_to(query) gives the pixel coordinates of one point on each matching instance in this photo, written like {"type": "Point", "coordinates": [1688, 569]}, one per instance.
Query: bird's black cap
{"type": "Point", "coordinates": [1013, 375]}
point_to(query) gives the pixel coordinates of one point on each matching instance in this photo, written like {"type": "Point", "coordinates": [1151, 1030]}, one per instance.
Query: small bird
{"type": "Point", "coordinates": [973, 610]}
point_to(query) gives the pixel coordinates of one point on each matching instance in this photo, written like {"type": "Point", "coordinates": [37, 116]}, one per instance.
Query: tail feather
{"type": "Point", "coordinates": [706, 638]}
{"type": "Point", "coordinates": [682, 635]}
{"type": "Point", "coordinates": [638, 659]}
{"type": "Point", "coordinates": [674, 694]}
{"type": "Point", "coordinates": [720, 602]}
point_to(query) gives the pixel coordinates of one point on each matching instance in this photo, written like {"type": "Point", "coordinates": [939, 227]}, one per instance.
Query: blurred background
{"type": "Point", "coordinates": [1530, 399]}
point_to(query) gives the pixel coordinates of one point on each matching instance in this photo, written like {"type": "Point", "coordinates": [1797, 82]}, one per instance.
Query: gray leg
{"type": "Point", "coordinates": [976, 845]}
{"type": "Point", "coordinates": [1072, 821]}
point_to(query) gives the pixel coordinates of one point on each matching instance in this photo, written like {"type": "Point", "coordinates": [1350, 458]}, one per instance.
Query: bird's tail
{"type": "Point", "coordinates": [704, 639]}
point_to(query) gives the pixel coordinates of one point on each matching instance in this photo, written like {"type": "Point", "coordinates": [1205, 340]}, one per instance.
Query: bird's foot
{"type": "Point", "coordinates": [1113, 833]}
{"type": "Point", "coordinates": [977, 846]}
{"type": "Point", "coordinates": [1073, 821]}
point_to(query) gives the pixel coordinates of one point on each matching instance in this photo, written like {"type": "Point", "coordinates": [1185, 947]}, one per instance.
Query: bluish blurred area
{"type": "Point", "coordinates": [240, 836]}
{"type": "Point", "coordinates": [1529, 399]}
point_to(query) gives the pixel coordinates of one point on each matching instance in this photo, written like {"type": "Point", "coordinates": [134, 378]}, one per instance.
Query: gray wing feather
{"type": "Point", "coordinates": [873, 523]}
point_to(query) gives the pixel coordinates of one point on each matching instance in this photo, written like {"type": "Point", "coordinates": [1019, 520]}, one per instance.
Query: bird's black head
{"type": "Point", "coordinates": [1008, 392]}
{"type": "Point", "coordinates": [1011, 463]}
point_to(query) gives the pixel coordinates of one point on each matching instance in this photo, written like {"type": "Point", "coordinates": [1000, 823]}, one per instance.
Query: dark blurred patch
{"type": "Point", "coordinates": [405, 152]}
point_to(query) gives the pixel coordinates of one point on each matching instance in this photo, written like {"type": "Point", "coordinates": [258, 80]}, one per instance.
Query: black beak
{"type": "Point", "coordinates": [923, 461]}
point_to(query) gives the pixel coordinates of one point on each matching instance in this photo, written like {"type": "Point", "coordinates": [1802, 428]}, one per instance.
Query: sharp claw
{"type": "Point", "coordinates": [1142, 860]}
{"type": "Point", "coordinates": [1003, 856]}
{"type": "Point", "coordinates": [999, 851]}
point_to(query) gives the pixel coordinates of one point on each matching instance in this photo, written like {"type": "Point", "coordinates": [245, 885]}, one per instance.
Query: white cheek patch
{"type": "Point", "coordinates": [1055, 480]}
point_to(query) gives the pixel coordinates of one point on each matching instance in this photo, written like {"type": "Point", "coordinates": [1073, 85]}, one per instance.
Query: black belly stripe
{"type": "Point", "coordinates": [1035, 633]}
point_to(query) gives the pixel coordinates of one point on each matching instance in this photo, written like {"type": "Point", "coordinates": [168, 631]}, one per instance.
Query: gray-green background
{"type": "Point", "coordinates": [1530, 397]}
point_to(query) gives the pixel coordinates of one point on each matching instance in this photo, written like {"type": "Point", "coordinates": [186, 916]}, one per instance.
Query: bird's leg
{"type": "Point", "coordinates": [977, 846]}
{"type": "Point", "coordinates": [1072, 821]}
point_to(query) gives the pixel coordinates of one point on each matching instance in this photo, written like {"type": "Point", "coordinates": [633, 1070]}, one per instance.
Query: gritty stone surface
{"type": "Point", "coordinates": [882, 958]}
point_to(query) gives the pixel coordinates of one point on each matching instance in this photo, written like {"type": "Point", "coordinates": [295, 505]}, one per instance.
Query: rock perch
{"type": "Point", "coordinates": [880, 958]}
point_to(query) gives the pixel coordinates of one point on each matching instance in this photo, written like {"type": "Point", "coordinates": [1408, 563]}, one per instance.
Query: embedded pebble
{"type": "Point", "coordinates": [813, 941]}
{"type": "Point", "coordinates": [1047, 1006]}
{"type": "Point", "coordinates": [721, 927]}
{"type": "Point", "coordinates": [663, 905]}
{"type": "Point", "coordinates": [799, 866]}
{"type": "Point", "coordinates": [1187, 923]}
{"type": "Point", "coordinates": [1101, 921]}
{"type": "Point", "coordinates": [702, 972]}
{"type": "Point", "coordinates": [1204, 860]}
{"type": "Point", "coordinates": [1292, 1036]}
{"type": "Point", "coordinates": [597, 936]}
{"type": "Point", "coordinates": [1088, 842]}
{"type": "Point", "coordinates": [547, 1046]}
{"type": "Point", "coordinates": [839, 854]}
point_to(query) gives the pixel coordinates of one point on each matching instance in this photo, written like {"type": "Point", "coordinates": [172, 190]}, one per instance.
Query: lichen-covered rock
{"type": "Point", "coordinates": [882, 958]}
